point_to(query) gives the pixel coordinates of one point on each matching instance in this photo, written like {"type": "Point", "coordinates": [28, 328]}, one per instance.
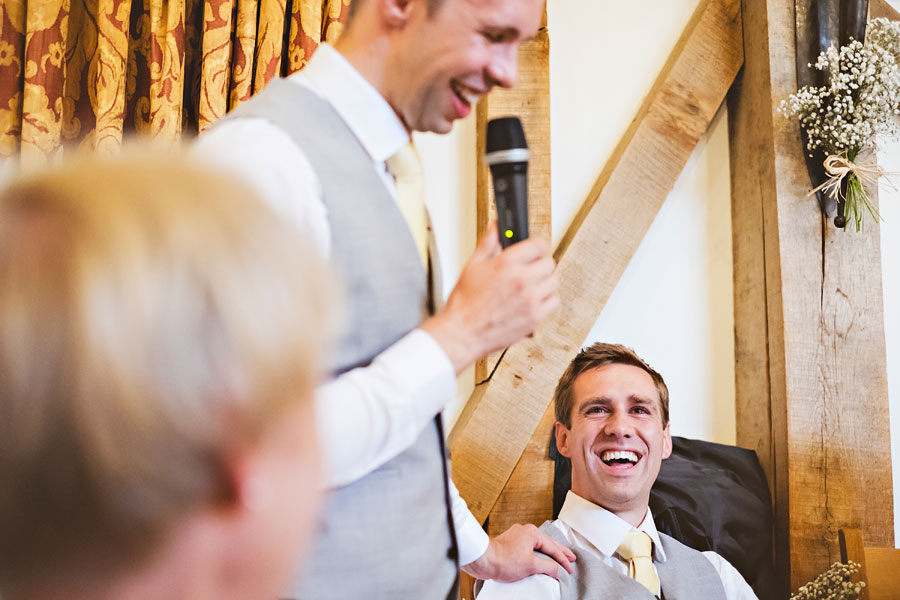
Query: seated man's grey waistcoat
{"type": "Point", "coordinates": [686, 575]}
{"type": "Point", "coordinates": [387, 534]}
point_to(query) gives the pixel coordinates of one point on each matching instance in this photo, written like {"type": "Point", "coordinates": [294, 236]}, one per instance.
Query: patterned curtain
{"type": "Point", "coordinates": [86, 72]}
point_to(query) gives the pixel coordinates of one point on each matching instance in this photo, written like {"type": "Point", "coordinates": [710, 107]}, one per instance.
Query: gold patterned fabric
{"type": "Point", "coordinates": [86, 73]}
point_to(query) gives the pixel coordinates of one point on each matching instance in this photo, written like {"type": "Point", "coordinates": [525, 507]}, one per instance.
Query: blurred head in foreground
{"type": "Point", "coordinates": [159, 340]}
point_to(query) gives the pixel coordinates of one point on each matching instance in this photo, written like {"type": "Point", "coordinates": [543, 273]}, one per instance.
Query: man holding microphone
{"type": "Point", "coordinates": [330, 148]}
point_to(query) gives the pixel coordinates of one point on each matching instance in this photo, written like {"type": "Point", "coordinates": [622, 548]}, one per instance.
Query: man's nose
{"type": "Point", "coordinates": [503, 68]}
{"type": "Point", "coordinates": [617, 425]}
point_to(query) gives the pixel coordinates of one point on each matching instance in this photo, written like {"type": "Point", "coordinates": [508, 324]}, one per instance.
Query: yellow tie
{"type": "Point", "coordinates": [409, 178]}
{"type": "Point", "coordinates": [636, 549]}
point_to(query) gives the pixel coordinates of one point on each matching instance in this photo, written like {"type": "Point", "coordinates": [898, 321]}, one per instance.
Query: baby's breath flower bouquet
{"type": "Point", "coordinates": [844, 118]}
{"type": "Point", "coordinates": [833, 584]}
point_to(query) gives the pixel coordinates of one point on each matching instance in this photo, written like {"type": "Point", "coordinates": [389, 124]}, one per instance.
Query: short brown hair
{"type": "Point", "coordinates": [153, 315]}
{"type": "Point", "coordinates": [596, 356]}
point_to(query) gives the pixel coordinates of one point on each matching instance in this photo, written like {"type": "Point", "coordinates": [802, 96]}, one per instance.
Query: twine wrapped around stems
{"type": "Point", "coordinates": [839, 166]}
{"type": "Point", "coordinates": [862, 174]}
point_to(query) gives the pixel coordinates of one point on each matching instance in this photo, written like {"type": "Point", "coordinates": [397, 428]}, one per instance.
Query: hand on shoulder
{"type": "Point", "coordinates": [511, 556]}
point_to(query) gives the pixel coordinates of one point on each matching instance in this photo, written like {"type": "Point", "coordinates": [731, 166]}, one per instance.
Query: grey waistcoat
{"type": "Point", "coordinates": [387, 534]}
{"type": "Point", "coordinates": [686, 575]}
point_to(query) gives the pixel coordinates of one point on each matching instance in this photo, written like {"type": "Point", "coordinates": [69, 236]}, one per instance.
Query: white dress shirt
{"type": "Point", "coordinates": [369, 415]}
{"type": "Point", "coordinates": [593, 530]}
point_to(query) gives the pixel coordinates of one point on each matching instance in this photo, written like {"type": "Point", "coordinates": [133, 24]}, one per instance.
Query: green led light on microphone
{"type": "Point", "coordinates": [508, 233]}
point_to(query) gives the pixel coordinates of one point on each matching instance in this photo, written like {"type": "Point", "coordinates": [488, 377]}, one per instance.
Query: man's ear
{"type": "Point", "coordinates": [396, 13]}
{"type": "Point", "coordinates": [562, 439]}
{"type": "Point", "coordinates": [667, 443]}
{"type": "Point", "coordinates": [245, 487]}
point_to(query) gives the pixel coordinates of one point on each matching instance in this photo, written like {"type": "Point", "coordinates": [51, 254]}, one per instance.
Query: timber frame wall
{"type": "Point", "coordinates": [811, 392]}
{"type": "Point", "coordinates": [811, 375]}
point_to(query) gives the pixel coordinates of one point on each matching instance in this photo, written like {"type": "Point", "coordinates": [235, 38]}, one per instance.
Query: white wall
{"type": "Point", "coordinates": [680, 317]}
{"type": "Point", "coordinates": [889, 201]}
{"type": "Point", "coordinates": [674, 303]}
{"type": "Point", "coordinates": [600, 72]}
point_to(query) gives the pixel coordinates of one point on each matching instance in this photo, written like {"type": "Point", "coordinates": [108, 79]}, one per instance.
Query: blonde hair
{"type": "Point", "coordinates": [153, 314]}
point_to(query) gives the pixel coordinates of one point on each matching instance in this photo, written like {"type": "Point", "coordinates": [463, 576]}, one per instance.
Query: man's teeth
{"type": "Point", "coordinates": [467, 95]}
{"type": "Point", "coordinates": [611, 455]}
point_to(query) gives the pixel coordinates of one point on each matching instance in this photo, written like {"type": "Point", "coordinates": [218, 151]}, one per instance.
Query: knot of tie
{"type": "Point", "coordinates": [405, 163]}
{"type": "Point", "coordinates": [637, 549]}
{"type": "Point", "coordinates": [635, 544]}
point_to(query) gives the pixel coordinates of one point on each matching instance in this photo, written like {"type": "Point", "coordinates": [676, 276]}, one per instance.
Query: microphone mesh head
{"type": "Point", "coordinates": [505, 133]}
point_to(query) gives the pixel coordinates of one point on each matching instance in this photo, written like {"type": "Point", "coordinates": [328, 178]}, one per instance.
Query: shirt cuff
{"type": "Point", "coordinates": [471, 538]}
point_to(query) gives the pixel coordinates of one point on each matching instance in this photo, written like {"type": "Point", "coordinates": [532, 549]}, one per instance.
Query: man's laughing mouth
{"type": "Point", "coordinates": [468, 96]}
{"type": "Point", "coordinates": [620, 459]}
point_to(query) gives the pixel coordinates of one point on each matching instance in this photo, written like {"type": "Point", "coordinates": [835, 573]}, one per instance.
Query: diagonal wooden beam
{"type": "Point", "coordinates": [502, 414]}
{"type": "Point", "coordinates": [880, 8]}
{"type": "Point", "coordinates": [527, 496]}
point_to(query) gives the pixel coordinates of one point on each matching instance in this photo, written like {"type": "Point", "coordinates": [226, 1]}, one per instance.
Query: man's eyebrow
{"type": "Point", "coordinates": [635, 399]}
{"type": "Point", "coordinates": [594, 401]}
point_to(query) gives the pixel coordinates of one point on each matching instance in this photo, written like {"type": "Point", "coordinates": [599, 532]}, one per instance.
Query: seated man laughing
{"type": "Point", "coordinates": [612, 421]}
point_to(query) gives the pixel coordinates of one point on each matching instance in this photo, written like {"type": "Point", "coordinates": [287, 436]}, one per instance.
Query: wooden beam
{"type": "Point", "coordinates": [502, 415]}
{"type": "Point", "coordinates": [527, 496]}
{"type": "Point", "coordinates": [522, 499]}
{"type": "Point", "coordinates": [530, 101]}
{"type": "Point", "coordinates": [751, 181]}
{"type": "Point", "coordinates": [746, 118]}
{"type": "Point", "coordinates": [811, 379]}
{"type": "Point", "coordinates": [881, 8]}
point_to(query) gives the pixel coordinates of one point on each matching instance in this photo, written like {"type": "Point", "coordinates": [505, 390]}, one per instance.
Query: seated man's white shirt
{"type": "Point", "coordinates": [369, 415]}
{"type": "Point", "coordinates": [593, 530]}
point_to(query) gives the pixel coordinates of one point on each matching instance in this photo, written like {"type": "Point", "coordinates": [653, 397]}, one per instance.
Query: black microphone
{"type": "Point", "coordinates": [507, 156]}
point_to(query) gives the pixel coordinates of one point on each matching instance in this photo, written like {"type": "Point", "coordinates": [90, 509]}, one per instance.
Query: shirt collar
{"type": "Point", "coordinates": [366, 112]}
{"type": "Point", "coordinates": [602, 528]}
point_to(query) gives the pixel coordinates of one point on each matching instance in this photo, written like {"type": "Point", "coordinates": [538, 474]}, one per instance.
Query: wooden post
{"type": "Point", "coordinates": [811, 378]}
{"type": "Point", "coordinates": [530, 101]}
